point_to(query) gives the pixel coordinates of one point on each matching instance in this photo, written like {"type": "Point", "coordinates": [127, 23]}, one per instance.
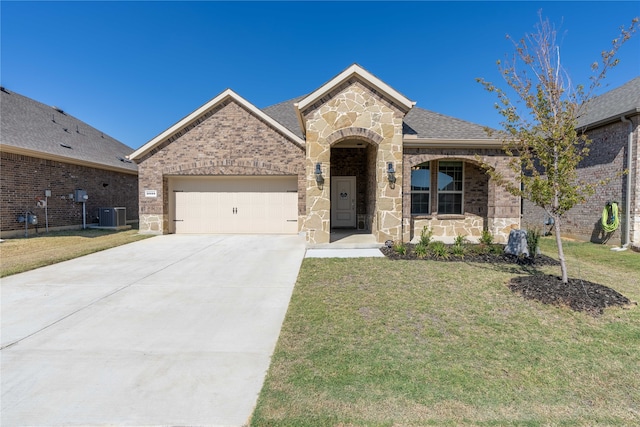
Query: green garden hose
{"type": "Point", "coordinates": [610, 218]}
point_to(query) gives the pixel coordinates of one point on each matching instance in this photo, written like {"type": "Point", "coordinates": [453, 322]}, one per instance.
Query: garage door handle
{"type": "Point", "coordinates": [178, 220]}
{"type": "Point", "coordinates": [235, 210]}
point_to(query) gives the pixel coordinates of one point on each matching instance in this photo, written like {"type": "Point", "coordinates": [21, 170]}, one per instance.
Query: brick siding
{"type": "Point", "coordinates": [24, 178]}
{"type": "Point", "coordinates": [606, 161]}
{"type": "Point", "coordinates": [229, 140]}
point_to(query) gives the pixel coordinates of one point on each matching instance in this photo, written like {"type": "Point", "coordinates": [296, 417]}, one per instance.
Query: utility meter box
{"type": "Point", "coordinates": [80, 196]}
{"type": "Point", "coordinates": [32, 219]}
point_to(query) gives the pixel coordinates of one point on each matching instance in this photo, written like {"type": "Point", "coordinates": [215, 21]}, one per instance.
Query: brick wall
{"type": "Point", "coordinates": [24, 178]}
{"type": "Point", "coordinates": [228, 140]}
{"type": "Point", "coordinates": [606, 161]}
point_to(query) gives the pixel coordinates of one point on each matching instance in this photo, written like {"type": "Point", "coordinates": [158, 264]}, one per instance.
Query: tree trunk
{"type": "Point", "coordinates": [563, 264]}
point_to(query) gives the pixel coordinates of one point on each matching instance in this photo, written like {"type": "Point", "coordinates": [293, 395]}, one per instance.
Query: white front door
{"type": "Point", "coordinates": [343, 201]}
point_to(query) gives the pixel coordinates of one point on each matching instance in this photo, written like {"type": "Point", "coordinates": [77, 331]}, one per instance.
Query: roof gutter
{"type": "Point", "coordinates": [627, 209]}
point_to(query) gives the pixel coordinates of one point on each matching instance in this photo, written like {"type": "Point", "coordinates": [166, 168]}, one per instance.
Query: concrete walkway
{"type": "Point", "coordinates": [172, 330]}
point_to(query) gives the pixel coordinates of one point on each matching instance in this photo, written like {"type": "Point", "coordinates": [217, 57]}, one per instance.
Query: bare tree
{"type": "Point", "coordinates": [540, 131]}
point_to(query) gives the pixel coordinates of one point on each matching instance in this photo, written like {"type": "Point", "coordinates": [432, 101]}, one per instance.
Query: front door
{"type": "Point", "coordinates": [343, 201]}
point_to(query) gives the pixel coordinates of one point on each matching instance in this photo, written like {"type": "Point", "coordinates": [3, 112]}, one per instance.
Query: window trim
{"type": "Point", "coordinates": [428, 192]}
{"type": "Point", "coordinates": [461, 191]}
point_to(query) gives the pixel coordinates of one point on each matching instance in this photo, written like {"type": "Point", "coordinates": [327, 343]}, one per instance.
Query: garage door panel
{"type": "Point", "coordinates": [270, 208]}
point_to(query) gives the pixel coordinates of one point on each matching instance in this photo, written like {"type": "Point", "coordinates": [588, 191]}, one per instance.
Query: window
{"type": "Point", "coordinates": [450, 187]}
{"type": "Point", "coordinates": [420, 186]}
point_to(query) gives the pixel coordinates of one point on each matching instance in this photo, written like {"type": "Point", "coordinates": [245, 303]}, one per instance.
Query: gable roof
{"type": "Point", "coordinates": [197, 114]}
{"type": "Point", "coordinates": [360, 73]}
{"type": "Point", "coordinates": [419, 124]}
{"type": "Point", "coordinates": [612, 105]}
{"type": "Point", "coordinates": [31, 128]}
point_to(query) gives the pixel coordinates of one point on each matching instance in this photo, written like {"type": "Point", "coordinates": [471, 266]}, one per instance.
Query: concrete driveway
{"type": "Point", "coordinates": [172, 330]}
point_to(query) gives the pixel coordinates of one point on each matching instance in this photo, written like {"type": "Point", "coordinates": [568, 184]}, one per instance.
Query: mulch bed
{"type": "Point", "coordinates": [579, 295]}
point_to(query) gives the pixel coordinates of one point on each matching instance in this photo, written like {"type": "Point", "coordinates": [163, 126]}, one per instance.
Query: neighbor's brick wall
{"type": "Point", "coordinates": [228, 140]}
{"type": "Point", "coordinates": [607, 159]}
{"type": "Point", "coordinates": [24, 178]}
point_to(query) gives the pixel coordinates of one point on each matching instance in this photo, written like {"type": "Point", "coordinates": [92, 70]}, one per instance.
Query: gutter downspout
{"type": "Point", "coordinates": [627, 212]}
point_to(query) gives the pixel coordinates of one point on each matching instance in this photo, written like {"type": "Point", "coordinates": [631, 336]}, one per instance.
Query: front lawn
{"type": "Point", "coordinates": [377, 342]}
{"type": "Point", "coordinates": [38, 250]}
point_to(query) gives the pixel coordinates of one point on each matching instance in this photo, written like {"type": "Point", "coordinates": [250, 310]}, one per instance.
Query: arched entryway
{"type": "Point", "coordinates": [353, 180]}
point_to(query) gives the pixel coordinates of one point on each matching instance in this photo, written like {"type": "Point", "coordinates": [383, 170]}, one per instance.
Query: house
{"type": "Point", "coordinates": [352, 154]}
{"type": "Point", "coordinates": [50, 160]}
{"type": "Point", "coordinates": [612, 123]}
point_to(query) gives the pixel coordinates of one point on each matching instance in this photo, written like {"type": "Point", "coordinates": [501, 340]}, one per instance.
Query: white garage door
{"type": "Point", "coordinates": [249, 205]}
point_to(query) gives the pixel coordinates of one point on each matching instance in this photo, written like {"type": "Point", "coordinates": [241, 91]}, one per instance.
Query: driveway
{"type": "Point", "coordinates": [172, 330]}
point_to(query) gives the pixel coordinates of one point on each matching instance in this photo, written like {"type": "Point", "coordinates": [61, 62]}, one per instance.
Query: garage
{"type": "Point", "coordinates": [234, 204]}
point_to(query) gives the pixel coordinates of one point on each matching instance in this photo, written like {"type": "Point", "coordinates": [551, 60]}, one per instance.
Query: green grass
{"type": "Point", "coordinates": [23, 254]}
{"type": "Point", "coordinates": [374, 342]}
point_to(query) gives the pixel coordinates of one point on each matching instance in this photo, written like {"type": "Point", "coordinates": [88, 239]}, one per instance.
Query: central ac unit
{"type": "Point", "coordinates": [113, 217]}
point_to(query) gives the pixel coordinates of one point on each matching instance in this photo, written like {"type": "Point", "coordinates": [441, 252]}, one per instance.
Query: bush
{"type": "Point", "coordinates": [439, 249]}
{"type": "Point", "coordinates": [460, 240]}
{"type": "Point", "coordinates": [400, 248]}
{"type": "Point", "coordinates": [420, 250]}
{"type": "Point", "coordinates": [486, 238]}
{"type": "Point", "coordinates": [458, 248]}
{"type": "Point", "coordinates": [533, 239]}
{"type": "Point", "coordinates": [425, 236]}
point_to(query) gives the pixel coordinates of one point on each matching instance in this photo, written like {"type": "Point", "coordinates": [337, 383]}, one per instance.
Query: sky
{"type": "Point", "coordinates": [133, 69]}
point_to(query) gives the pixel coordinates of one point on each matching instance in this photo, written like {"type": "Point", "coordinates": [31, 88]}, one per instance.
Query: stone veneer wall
{"type": "Point", "coordinates": [354, 111]}
{"type": "Point", "coordinates": [486, 205]}
{"type": "Point", "coordinates": [606, 161]}
{"type": "Point", "coordinates": [227, 140]}
{"type": "Point", "coordinates": [24, 178]}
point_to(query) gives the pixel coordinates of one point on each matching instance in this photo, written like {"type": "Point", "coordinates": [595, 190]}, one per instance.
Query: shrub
{"type": "Point", "coordinates": [533, 239]}
{"type": "Point", "coordinates": [458, 250]}
{"type": "Point", "coordinates": [486, 238]}
{"type": "Point", "coordinates": [425, 236]}
{"type": "Point", "coordinates": [460, 240]}
{"type": "Point", "coordinates": [439, 249]}
{"type": "Point", "coordinates": [420, 250]}
{"type": "Point", "coordinates": [400, 248]}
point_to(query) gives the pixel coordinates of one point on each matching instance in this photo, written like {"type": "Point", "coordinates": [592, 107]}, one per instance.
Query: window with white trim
{"type": "Point", "coordinates": [420, 189]}
{"type": "Point", "coordinates": [450, 187]}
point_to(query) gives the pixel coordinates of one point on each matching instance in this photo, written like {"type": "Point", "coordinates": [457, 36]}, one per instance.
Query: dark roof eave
{"type": "Point", "coordinates": [610, 120]}
{"type": "Point", "coordinates": [47, 156]}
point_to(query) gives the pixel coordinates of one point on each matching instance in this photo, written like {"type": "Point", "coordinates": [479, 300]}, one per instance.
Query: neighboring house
{"type": "Point", "coordinates": [46, 155]}
{"type": "Point", "coordinates": [611, 122]}
{"type": "Point", "coordinates": [353, 154]}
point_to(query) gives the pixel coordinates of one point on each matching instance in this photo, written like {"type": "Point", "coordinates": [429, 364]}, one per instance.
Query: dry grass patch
{"type": "Point", "coordinates": [374, 342]}
{"type": "Point", "coordinates": [23, 254]}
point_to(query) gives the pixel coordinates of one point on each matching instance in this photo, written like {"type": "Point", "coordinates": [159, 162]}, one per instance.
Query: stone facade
{"type": "Point", "coordinates": [226, 140]}
{"type": "Point", "coordinates": [352, 126]}
{"type": "Point", "coordinates": [354, 112]}
{"type": "Point", "coordinates": [487, 206]}
{"type": "Point", "coordinates": [25, 178]}
{"type": "Point", "coordinates": [607, 161]}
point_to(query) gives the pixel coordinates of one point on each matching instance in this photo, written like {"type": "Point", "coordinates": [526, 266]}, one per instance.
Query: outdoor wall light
{"type": "Point", "coordinates": [391, 173]}
{"type": "Point", "coordinates": [319, 177]}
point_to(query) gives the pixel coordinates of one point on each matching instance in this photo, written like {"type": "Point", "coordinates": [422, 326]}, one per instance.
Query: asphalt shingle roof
{"type": "Point", "coordinates": [418, 122]}
{"type": "Point", "coordinates": [613, 104]}
{"type": "Point", "coordinates": [30, 125]}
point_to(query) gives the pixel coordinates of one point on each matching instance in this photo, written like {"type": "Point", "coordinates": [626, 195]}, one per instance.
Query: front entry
{"type": "Point", "coordinates": [343, 201]}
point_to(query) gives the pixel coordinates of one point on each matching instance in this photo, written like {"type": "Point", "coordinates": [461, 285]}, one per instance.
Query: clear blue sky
{"type": "Point", "coordinates": [132, 69]}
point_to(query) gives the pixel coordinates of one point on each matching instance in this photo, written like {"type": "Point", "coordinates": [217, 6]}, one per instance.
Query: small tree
{"type": "Point", "coordinates": [540, 132]}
